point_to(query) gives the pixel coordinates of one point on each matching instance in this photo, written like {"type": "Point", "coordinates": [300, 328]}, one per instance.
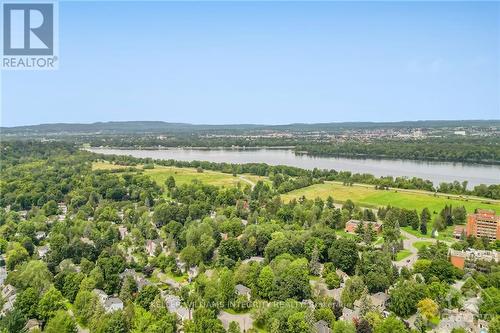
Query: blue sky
{"type": "Point", "coordinates": [265, 62]}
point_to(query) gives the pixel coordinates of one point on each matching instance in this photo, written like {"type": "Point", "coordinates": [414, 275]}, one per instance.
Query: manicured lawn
{"type": "Point", "coordinates": [444, 235]}
{"type": "Point", "coordinates": [177, 278]}
{"type": "Point", "coordinates": [402, 254]}
{"type": "Point", "coordinates": [187, 175]}
{"type": "Point", "coordinates": [108, 166]}
{"type": "Point", "coordinates": [420, 244]}
{"type": "Point", "coordinates": [344, 234]}
{"type": "Point", "coordinates": [368, 196]}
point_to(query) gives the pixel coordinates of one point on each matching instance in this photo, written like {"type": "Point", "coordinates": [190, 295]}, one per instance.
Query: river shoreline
{"type": "Point", "coordinates": [436, 172]}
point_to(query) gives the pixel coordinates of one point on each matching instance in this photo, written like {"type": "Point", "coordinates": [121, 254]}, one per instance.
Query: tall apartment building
{"type": "Point", "coordinates": [484, 223]}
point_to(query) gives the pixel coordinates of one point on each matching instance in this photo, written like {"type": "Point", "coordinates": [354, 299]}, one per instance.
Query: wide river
{"type": "Point", "coordinates": [435, 171]}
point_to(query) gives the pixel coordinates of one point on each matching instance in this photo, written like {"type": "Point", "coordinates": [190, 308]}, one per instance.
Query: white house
{"type": "Point", "coordinates": [109, 304]}
{"type": "Point", "coordinates": [43, 250]}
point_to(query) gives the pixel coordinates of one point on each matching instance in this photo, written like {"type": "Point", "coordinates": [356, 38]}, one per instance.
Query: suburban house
{"type": "Point", "coordinates": [456, 319]}
{"type": "Point", "coordinates": [193, 272]}
{"type": "Point", "coordinates": [352, 225]}
{"type": "Point", "coordinates": [241, 290]}
{"type": "Point", "coordinates": [32, 325]}
{"type": "Point", "coordinates": [87, 241]}
{"type": "Point", "coordinates": [43, 250]}
{"type": "Point", "coordinates": [349, 315]}
{"type": "Point", "coordinates": [109, 304]}
{"type": "Point", "coordinates": [174, 306]}
{"type": "Point", "coordinates": [3, 275]}
{"type": "Point", "coordinates": [9, 294]}
{"type": "Point", "coordinates": [152, 245]}
{"type": "Point", "coordinates": [379, 300]}
{"type": "Point", "coordinates": [321, 326]}
{"type": "Point", "coordinates": [138, 278]}
{"type": "Point", "coordinates": [101, 294]}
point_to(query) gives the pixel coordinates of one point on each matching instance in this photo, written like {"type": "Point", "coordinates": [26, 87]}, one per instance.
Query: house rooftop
{"type": "Point", "coordinates": [242, 290]}
{"type": "Point", "coordinates": [321, 326]}
{"type": "Point", "coordinates": [379, 299]}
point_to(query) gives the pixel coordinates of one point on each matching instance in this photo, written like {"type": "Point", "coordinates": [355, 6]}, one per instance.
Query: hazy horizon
{"type": "Point", "coordinates": [250, 124]}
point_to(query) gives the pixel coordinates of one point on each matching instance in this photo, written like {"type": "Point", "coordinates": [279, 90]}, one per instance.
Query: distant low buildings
{"type": "Point", "coordinates": [352, 225]}
{"type": "Point", "coordinates": [241, 290]}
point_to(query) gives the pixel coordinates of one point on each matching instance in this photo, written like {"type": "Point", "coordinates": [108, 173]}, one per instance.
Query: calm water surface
{"type": "Point", "coordinates": [435, 171]}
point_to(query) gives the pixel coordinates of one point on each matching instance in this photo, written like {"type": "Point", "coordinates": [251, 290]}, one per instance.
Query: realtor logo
{"type": "Point", "coordinates": [29, 35]}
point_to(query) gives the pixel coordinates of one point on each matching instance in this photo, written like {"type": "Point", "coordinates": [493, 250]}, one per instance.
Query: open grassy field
{"type": "Point", "coordinates": [368, 196]}
{"type": "Point", "coordinates": [187, 175]}
{"type": "Point", "coordinates": [364, 195]}
{"type": "Point", "coordinates": [402, 254]}
{"type": "Point", "coordinates": [109, 166]}
{"type": "Point", "coordinates": [420, 244]}
{"type": "Point", "coordinates": [443, 235]}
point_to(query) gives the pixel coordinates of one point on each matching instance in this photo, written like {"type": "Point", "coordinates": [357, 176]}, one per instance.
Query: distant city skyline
{"type": "Point", "coordinates": [264, 63]}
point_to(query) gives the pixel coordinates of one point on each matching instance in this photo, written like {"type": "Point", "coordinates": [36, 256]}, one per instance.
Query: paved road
{"type": "Point", "coordinates": [408, 244]}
